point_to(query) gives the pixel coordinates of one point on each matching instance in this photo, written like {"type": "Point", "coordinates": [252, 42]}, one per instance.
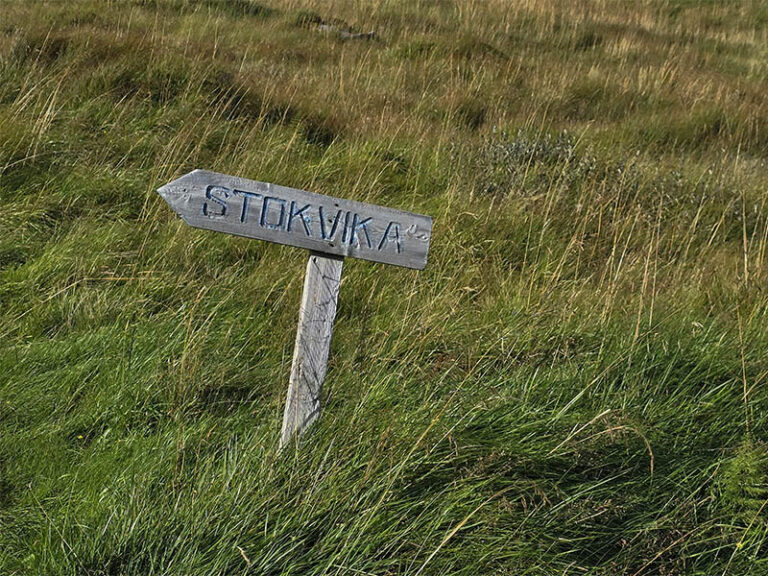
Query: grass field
{"type": "Point", "coordinates": [576, 384]}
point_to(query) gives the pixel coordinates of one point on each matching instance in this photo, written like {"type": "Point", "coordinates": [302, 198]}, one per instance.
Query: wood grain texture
{"type": "Point", "coordinates": [313, 343]}
{"type": "Point", "coordinates": [284, 215]}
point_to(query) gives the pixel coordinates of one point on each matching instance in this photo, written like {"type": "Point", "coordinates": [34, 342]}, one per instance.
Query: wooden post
{"type": "Point", "coordinates": [313, 343]}
{"type": "Point", "coordinates": [331, 229]}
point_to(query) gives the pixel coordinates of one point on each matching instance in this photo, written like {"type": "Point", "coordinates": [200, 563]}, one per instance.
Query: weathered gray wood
{"type": "Point", "coordinates": [331, 228]}
{"type": "Point", "coordinates": [313, 342]}
{"type": "Point", "coordinates": [288, 216]}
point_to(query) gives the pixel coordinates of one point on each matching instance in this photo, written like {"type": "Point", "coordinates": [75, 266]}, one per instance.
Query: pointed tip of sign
{"type": "Point", "coordinates": [173, 193]}
{"type": "Point", "coordinates": [169, 193]}
{"type": "Point", "coordinates": [178, 193]}
{"type": "Point", "coordinates": [174, 185]}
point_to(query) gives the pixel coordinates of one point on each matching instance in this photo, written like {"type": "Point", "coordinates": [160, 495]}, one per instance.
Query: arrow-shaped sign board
{"type": "Point", "coordinates": [331, 228]}
{"type": "Point", "coordinates": [297, 218]}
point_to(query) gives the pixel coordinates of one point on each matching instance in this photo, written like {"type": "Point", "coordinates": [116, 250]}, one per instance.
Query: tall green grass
{"type": "Point", "coordinates": [574, 385]}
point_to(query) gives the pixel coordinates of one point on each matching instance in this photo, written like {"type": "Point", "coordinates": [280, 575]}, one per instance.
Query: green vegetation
{"type": "Point", "coordinates": [576, 384]}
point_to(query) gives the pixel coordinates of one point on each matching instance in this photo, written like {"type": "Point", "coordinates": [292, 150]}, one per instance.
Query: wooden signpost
{"type": "Point", "coordinates": [331, 228]}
